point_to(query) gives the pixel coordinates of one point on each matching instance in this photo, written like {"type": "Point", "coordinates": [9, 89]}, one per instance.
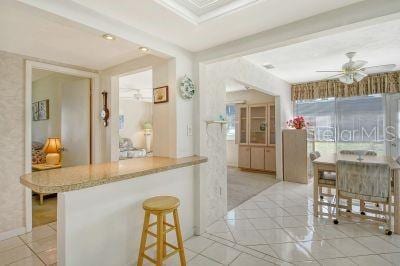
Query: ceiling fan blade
{"type": "Point", "coordinates": [334, 76]}
{"type": "Point", "coordinates": [377, 69]}
{"type": "Point", "coordinates": [328, 71]}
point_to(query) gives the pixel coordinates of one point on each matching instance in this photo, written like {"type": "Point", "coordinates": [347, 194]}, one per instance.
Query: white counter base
{"type": "Point", "coordinates": [102, 225]}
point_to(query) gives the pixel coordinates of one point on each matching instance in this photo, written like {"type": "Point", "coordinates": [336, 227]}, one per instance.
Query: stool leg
{"type": "Point", "coordinates": [179, 238]}
{"type": "Point", "coordinates": [165, 236]}
{"type": "Point", "coordinates": [160, 239]}
{"type": "Point", "coordinates": [144, 237]}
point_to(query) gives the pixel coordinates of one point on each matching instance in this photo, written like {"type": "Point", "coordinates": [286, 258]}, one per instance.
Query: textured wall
{"type": "Point", "coordinates": [213, 80]}
{"type": "Point", "coordinates": [12, 126]}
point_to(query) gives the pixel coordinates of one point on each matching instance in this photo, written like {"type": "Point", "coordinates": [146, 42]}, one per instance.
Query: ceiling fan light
{"type": "Point", "coordinates": [358, 76]}
{"type": "Point", "coordinates": [347, 79]}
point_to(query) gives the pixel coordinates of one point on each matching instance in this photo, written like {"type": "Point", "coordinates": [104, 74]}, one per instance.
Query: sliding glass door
{"type": "Point", "coordinates": [354, 123]}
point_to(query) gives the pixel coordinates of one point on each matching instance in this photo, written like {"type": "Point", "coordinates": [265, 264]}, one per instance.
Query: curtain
{"type": "Point", "coordinates": [373, 84]}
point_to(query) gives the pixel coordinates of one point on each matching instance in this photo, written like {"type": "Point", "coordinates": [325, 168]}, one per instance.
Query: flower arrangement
{"type": "Point", "coordinates": [297, 122]}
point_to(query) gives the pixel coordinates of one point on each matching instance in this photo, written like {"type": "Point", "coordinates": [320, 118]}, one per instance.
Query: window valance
{"type": "Point", "coordinates": [373, 84]}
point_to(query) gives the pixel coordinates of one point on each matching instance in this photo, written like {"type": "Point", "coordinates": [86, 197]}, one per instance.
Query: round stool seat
{"type": "Point", "coordinates": [161, 203]}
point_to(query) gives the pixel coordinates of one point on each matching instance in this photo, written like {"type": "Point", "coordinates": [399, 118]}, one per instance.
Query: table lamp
{"type": "Point", "coordinates": [53, 149]}
{"type": "Point", "coordinates": [148, 128]}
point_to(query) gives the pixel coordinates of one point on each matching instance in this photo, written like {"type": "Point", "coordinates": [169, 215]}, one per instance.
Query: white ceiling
{"type": "Point", "coordinates": [132, 84]}
{"type": "Point", "coordinates": [378, 44]}
{"type": "Point", "coordinates": [153, 17]}
{"type": "Point", "coordinates": [40, 74]}
{"type": "Point", "coordinates": [28, 31]}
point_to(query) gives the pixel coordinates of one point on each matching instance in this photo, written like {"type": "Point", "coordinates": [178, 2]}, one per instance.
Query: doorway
{"type": "Point", "coordinates": [250, 142]}
{"type": "Point", "coordinates": [135, 114]}
{"type": "Point", "coordinates": [60, 131]}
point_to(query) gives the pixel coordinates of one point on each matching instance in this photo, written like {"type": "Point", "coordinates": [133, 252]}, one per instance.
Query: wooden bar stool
{"type": "Point", "coordinates": [161, 206]}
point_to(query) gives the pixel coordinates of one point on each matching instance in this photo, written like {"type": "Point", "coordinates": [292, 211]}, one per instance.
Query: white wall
{"type": "Point", "coordinates": [212, 143]}
{"type": "Point", "coordinates": [251, 96]}
{"type": "Point", "coordinates": [135, 113]}
{"type": "Point", "coordinates": [42, 89]}
{"type": "Point", "coordinates": [50, 88]}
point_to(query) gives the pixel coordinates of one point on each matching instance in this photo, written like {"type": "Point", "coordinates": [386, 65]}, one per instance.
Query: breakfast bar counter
{"type": "Point", "coordinates": [99, 207]}
{"type": "Point", "coordinates": [84, 176]}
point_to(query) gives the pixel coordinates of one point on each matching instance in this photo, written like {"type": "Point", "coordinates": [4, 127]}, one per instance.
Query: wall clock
{"type": "Point", "coordinates": [187, 88]}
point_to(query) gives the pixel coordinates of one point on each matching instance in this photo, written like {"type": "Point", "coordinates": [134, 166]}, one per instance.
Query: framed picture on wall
{"type": "Point", "coordinates": [35, 111]}
{"type": "Point", "coordinates": [43, 107]}
{"type": "Point", "coordinates": [160, 94]}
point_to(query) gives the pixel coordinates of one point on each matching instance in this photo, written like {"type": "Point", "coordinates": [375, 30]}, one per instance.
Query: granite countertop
{"type": "Point", "coordinates": [79, 177]}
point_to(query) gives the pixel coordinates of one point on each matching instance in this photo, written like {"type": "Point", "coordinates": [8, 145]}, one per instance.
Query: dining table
{"type": "Point", "coordinates": [327, 163]}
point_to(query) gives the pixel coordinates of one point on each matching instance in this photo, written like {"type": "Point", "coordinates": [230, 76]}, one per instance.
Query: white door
{"type": "Point", "coordinates": [393, 125]}
{"type": "Point", "coordinates": [75, 122]}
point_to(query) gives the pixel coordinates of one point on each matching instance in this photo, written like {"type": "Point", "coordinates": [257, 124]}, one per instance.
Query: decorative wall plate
{"type": "Point", "coordinates": [187, 88]}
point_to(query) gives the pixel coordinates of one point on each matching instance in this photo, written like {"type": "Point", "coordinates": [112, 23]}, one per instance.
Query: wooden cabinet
{"type": "Point", "coordinates": [244, 157]}
{"type": "Point", "coordinates": [270, 159]}
{"type": "Point", "coordinates": [295, 155]}
{"type": "Point", "coordinates": [256, 139]}
{"type": "Point", "coordinates": [257, 160]}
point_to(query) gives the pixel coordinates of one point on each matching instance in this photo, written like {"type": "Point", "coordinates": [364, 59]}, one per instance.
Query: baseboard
{"type": "Point", "coordinates": [12, 233]}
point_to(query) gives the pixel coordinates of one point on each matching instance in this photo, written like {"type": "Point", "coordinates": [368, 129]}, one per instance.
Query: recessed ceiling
{"type": "Point", "coordinates": [378, 44]}
{"type": "Point", "coordinates": [29, 31]}
{"type": "Point", "coordinates": [199, 11]}
{"type": "Point", "coordinates": [153, 17]}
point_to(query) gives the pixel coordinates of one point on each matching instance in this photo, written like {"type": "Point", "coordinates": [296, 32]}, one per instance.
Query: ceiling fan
{"type": "Point", "coordinates": [136, 95]}
{"type": "Point", "coordinates": [354, 71]}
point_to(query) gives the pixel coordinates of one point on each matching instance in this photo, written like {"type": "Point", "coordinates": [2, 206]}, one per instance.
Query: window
{"type": "Point", "coordinates": [346, 123]}
{"type": "Point", "coordinates": [231, 121]}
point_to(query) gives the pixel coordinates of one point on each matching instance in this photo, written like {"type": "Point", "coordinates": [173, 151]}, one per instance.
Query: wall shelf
{"type": "Point", "coordinates": [218, 122]}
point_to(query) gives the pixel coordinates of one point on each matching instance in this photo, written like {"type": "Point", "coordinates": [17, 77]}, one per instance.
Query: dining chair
{"type": "Point", "coordinates": [369, 182]}
{"type": "Point", "coordinates": [327, 180]}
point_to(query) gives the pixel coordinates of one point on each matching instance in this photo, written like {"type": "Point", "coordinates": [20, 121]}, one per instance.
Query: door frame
{"type": "Point", "coordinates": [392, 108]}
{"type": "Point", "coordinates": [95, 136]}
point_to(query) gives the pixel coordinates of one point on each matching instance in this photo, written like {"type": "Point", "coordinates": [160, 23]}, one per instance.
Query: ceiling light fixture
{"type": "Point", "coordinates": [144, 49]}
{"type": "Point", "coordinates": [109, 37]}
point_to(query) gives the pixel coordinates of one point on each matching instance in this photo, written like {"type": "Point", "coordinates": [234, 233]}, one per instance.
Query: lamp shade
{"type": "Point", "coordinates": [53, 145]}
{"type": "Point", "coordinates": [147, 125]}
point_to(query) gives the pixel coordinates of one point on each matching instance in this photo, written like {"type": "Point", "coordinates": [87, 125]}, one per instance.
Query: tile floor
{"type": "Point", "coordinates": [276, 227]}
{"type": "Point", "coordinates": [36, 248]}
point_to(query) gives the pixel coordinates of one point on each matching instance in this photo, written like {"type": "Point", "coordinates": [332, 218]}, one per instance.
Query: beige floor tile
{"type": "Point", "coordinates": [10, 243]}
{"type": "Point", "coordinates": [255, 213]}
{"type": "Point", "coordinates": [43, 244]}
{"type": "Point", "coordinates": [48, 256]}
{"type": "Point", "coordinates": [291, 252]}
{"type": "Point", "coordinates": [175, 259]}
{"type": "Point", "coordinates": [53, 225]}
{"type": "Point", "coordinates": [249, 250]}
{"type": "Point", "coordinates": [221, 253]}
{"type": "Point", "coordinates": [264, 223]}
{"type": "Point", "coordinates": [200, 260]}
{"type": "Point", "coordinates": [275, 236]}
{"type": "Point", "coordinates": [235, 214]}
{"type": "Point", "coordinates": [377, 245]}
{"type": "Point", "coordinates": [370, 260]}
{"type": "Point", "coordinates": [266, 249]}
{"type": "Point", "coordinates": [337, 262]}
{"type": "Point", "coordinates": [288, 221]}
{"type": "Point", "coordinates": [276, 212]}
{"type": "Point", "coordinates": [245, 259]}
{"type": "Point", "coordinates": [198, 244]}
{"type": "Point", "coordinates": [329, 232]}
{"type": "Point", "coordinates": [321, 250]}
{"type": "Point", "coordinates": [349, 247]}
{"type": "Point", "coordinates": [353, 230]}
{"type": "Point", "coordinates": [394, 239]}
{"type": "Point", "coordinates": [393, 258]}
{"type": "Point", "coordinates": [38, 233]}
{"type": "Point", "coordinates": [248, 237]}
{"type": "Point", "coordinates": [303, 233]}
{"type": "Point", "coordinates": [240, 225]}
{"type": "Point", "coordinates": [29, 261]}
{"type": "Point", "coordinates": [15, 254]}
{"type": "Point", "coordinates": [218, 227]}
